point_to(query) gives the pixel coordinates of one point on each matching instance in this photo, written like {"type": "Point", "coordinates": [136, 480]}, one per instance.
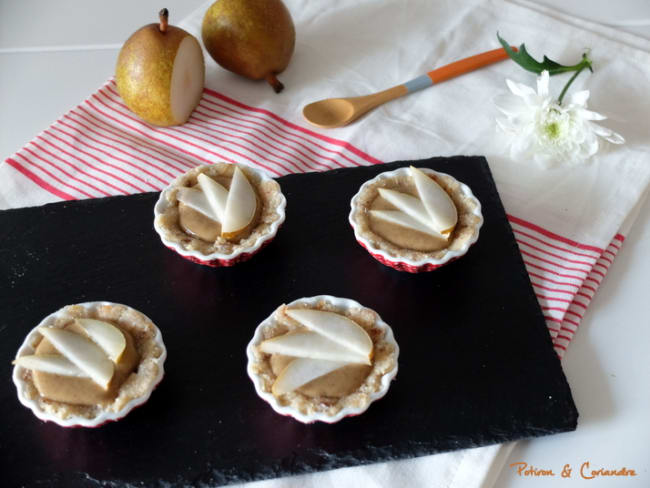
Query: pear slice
{"type": "Point", "coordinates": [436, 200]}
{"type": "Point", "coordinates": [313, 346]}
{"type": "Point", "coordinates": [196, 200]}
{"type": "Point", "coordinates": [408, 204]}
{"type": "Point", "coordinates": [240, 206]}
{"type": "Point", "coordinates": [398, 217]}
{"type": "Point", "coordinates": [301, 371]}
{"type": "Point", "coordinates": [215, 194]}
{"type": "Point", "coordinates": [50, 363]}
{"type": "Point", "coordinates": [105, 335]}
{"type": "Point", "coordinates": [336, 328]}
{"type": "Point", "coordinates": [84, 353]}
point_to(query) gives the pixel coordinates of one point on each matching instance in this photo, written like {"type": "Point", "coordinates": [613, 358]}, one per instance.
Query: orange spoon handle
{"type": "Point", "coordinates": [466, 65]}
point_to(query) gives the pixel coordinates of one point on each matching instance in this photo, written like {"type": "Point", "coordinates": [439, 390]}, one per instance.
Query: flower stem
{"type": "Point", "coordinates": [585, 63]}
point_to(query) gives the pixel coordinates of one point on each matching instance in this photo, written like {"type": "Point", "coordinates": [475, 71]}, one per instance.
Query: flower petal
{"type": "Point", "coordinates": [589, 114]}
{"type": "Point", "coordinates": [519, 89]}
{"type": "Point", "coordinates": [542, 84]}
{"type": "Point", "coordinates": [579, 98]}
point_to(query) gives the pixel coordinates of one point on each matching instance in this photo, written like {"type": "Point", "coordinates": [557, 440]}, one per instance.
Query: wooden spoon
{"type": "Point", "coordinates": [337, 112]}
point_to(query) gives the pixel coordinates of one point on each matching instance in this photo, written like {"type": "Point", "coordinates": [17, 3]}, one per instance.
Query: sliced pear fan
{"type": "Point", "coordinates": [240, 206]}
{"type": "Point", "coordinates": [336, 328]}
{"type": "Point", "coordinates": [196, 200]}
{"type": "Point", "coordinates": [436, 200]}
{"type": "Point", "coordinates": [216, 195]}
{"type": "Point", "coordinates": [50, 363]}
{"type": "Point", "coordinates": [83, 353]}
{"type": "Point", "coordinates": [105, 335]}
{"type": "Point", "coordinates": [398, 217]}
{"type": "Point", "coordinates": [311, 345]}
{"type": "Point", "coordinates": [408, 204]}
{"type": "Point", "coordinates": [301, 371]}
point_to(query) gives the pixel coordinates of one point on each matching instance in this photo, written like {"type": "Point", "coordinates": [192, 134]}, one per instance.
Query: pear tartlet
{"type": "Point", "coordinates": [219, 214]}
{"type": "Point", "coordinates": [88, 364]}
{"type": "Point", "coordinates": [415, 219]}
{"type": "Point", "coordinates": [322, 359]}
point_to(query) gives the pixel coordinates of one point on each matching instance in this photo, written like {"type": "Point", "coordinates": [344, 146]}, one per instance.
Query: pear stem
{"type": "Point", "coordinates": [163, 15]}
{"type": "Point", "coordinates": [274, 82]}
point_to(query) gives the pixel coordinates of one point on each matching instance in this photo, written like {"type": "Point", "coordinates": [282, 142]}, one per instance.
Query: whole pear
{"type": "Point", "coordinates": [253, 38]}
{"type": "Point", "coordinates": [160, 73]}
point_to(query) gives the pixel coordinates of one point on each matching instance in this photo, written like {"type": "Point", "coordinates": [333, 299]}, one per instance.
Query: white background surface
{"type": "Point", "coordinates": [54, 54]}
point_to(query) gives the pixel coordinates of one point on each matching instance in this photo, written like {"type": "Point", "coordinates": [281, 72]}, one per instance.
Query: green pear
{"type": "Point", "coordinates": [252, 38]}
{"type": "Point", "coordinates": [160, 73]}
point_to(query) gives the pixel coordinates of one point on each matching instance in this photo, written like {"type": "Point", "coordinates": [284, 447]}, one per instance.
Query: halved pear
{"type": "Point", "coordinates": [83, 353]}
{"type": "Point", "coordinates": [301, 371]}
{"type": "Point", "coordinates": [408, 204]}
{"type": "Point", "coordinates": [160, 73]}
{"type": "Point", "coordinates": [311, 345]}
{"type": "Point", "coordinates": [50, 363]}
{"type": "Point", "coordinates": [196, 200]}
{"type": "Point", "coordinates": [215, 194]}
{"type": "Point", "coordinates": [105, 335]}
{"type": "Point", "coordinates": [240, 206]}
{"type": "Point", "coordinates": [335, 327]}
{"type": "Point", "coordinates": [436, 200]}
{"type": "Point", "coordinates": [398, 217]}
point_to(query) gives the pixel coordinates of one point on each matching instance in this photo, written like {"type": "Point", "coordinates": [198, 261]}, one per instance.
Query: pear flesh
{"type": "Point", "coordinates": [83, 353]}
{"type": "Point", "coordinates": [311, 345]}
{"type": "Point", "coordinates": [160, 73]}
{"type": "Point", "coordinates": [215, 194]}
{"type": "Point", "coordinates": [106, 336]}
{"type": "Point", "coordinates": [436, 200]}
{"type": "Point", "coordinates": [410, 205]}
{"type": "Point", "coordinates": [197, 200]}
{"type": "Point", "coordinates": [336, 328]}
{"type": "Point", "coordinates": [241, 206]}
{"type": "Point", "coordinates": [50, 363]}
{"type": "Point", "coordinates": [252, 38]}
{"type": "Point", "coordinates": [301, 371]}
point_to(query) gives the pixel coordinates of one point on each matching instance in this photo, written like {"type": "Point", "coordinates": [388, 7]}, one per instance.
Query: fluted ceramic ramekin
{"type": "Point", "coordinates": [239, 253]}
{"type": "Point", "coordinates": [152, 365]}
{"type": "Point", "coordinates": [342, 305]}
{"type": "Point", "coordinates": [425, 261]}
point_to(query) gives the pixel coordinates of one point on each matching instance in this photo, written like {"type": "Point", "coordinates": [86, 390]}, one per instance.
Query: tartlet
{"type": "Point", "coordinates": [209, 247]}
{"type": "Point", "coordinates": [308, 403]}
{"type": "Point", "coordinates": [399, 255]}
{"type": "Point", "coordinates": [134, 387]}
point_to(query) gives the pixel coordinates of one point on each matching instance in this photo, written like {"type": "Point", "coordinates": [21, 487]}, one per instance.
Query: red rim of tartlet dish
{"type": "Point", "coordinates": [74, 421]}
{"type": "Point", "coordinates": [287, 410]}
{"type": "Point", "coordinates": [217, 259]}
{"type": "Point", "coordinates": [402, 263]}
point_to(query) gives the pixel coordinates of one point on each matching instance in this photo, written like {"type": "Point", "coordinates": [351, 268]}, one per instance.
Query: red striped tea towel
{"type": "Point", "coordinates": [569, 222]}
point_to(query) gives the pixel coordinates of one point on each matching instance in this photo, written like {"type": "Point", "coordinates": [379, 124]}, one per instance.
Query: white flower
{"type": "Point", "coordinates": [541, 128]}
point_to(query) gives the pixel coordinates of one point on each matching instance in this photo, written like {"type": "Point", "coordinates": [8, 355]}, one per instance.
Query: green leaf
{"type": "Point", "coordinates": [526, 61]}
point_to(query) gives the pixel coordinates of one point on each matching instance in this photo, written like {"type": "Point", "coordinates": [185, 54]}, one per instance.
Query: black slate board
{"type": "Point", "coordinates": [476, 366]}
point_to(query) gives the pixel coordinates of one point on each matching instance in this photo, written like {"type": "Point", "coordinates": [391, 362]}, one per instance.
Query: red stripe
{"type": "Point", "coordinates": [609, 261]}
{"type": "Point", "coordinates": [584, 295]}
{"type": "Point", "coordinates": [615, 246]}
{"type": "Point", "coordinates": [197, 156]}
{"type": "Point", "coordinates": [49, 143]}
{"type": "Point", "coordinates": [536, 228]}
{"type": "Point", "coordinates": [330, 140]}
{"type": "Point", "coordinates": [208, 123]}
{"type": "Point", "coordinates": [141, 190]}
{"type": "Point", "coordinates": [38, 180]}
{"type": "Point", "coordinates": [551, 299]}
{"type": "Point", "coordinates": [619, 237]}
{"type": "Point", "coordinates": [178, 129]}
{"type": "Point", "coordinates": [42, 149]}
{"type": "Point", "coordinates": [599, 273]}
{"type": "Point", "coordinates": [589, 278]}
{"type": "Point", "coordinates": [137, 141]}
{"type": "Point", "coordinates": [54, 177]}
{"type": "Point", "coordinates": [554, 255]}
{"type": "Point", "coordinates": [609, 252]}
{"type": "Point", "coordinates": [571, 322]}
{"type": "Point", "coordinates": [574, 313]}
{"type": "Point", "coordinates": [552, 290]}
{"type": "Point", "coordinates": [269, 125]}
{"type": "Point", "coordinates": [590, 288]}
{"type": "Point", "coordinates": [562, 336]}
{"type": "Point", "coordinates": [553, 281]}
{"type": "Point", "coordinates": [116, 148]}
{"type": "Point", "coordinates": [566, 329]}
{"type": "Point", "coordinates": [259, 128]}
{"type": "Point", "coordinates": [530, 236]}
{"type": "Point", "coordinates": [560, 346]}
{"type": "Point", "coordinates": [553, 319]}
{"type": "Point", "coordinates": [527, 263]}
{"type": "Point", "coordinates": [567, 268]}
